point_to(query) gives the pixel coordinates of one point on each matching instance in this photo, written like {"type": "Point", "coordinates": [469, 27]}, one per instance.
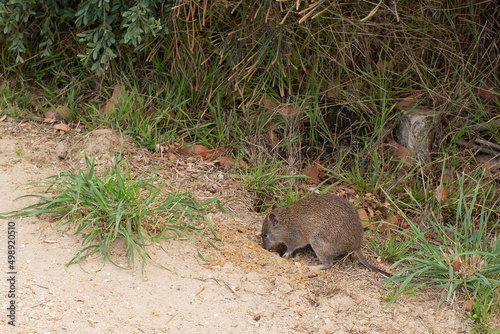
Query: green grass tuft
{"type": "Point", "coordinates": [116, 206]}
{"type": "Point", "coordinates": [471, 245]}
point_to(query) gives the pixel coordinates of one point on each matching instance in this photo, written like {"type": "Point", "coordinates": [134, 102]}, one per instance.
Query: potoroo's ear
{"type": "Point", "coordinates": [275, 206]}
{"type": "Point", "coordinates": [273, 219]}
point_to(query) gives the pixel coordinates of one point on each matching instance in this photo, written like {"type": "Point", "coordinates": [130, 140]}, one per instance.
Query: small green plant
{"type": "Point", "coordinates": [463, 256]}
{"type": "Point", "coordinates": [485, 307]}
{"type": "Point", "coordinates": [115, 205]}
{"type": "Point", "coordinates": [18, 151]}
{"type": "Point", "coordinates": [265, 180]}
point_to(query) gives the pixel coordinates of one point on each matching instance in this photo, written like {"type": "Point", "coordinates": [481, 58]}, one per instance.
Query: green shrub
{"type": "Point", "coordinates": [102, 25]}
{"type": "Point", "coordinates": [283, 47]}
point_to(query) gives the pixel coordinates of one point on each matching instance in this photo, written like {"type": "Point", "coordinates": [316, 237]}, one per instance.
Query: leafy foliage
{"type": "Point", "coordinates": [281, 46]}
{"type": "Point", "coordinates": [99, 24]}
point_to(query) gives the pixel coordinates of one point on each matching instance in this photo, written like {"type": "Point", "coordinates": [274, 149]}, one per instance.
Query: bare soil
{"type": "Point", "coordinates": [240, 289]}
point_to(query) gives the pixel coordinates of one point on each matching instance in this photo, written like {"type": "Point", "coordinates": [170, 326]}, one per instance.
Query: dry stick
{"type": "Point", "coordinates": [230, 289]}
{"type": "Point", "coordinates": [479, 149]}
{"type": "Point", "coordinates": [487, 143]}
{"type": "Point", "coordinates": [483, 127]}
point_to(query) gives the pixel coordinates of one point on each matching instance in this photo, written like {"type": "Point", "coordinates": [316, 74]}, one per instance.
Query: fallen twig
{"type": "Point", "coordinates": [489, 144]}
{"type": "Point", "coordinates": [477, 148]}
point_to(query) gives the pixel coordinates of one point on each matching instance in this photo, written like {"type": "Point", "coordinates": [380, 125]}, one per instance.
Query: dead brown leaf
{"type": "Point", "coordinates": [178, 145]}
{"type": "Point", "coordinates": [24, 57]}
{"type": "Point", "coordinates": [63, 112]}
{"type": "Point", "coordinates": [3, 118]}
{"type": "Point", "coordinates": [400, 152]}
{"type": "Point", "coordinates": [288, 111]}
{"type": "Point", "coordinates": [468, 305]}
{"type": "Point", "coordinates": [273, 138]}
{"type": "Point", "coordinates": [364, 218]}
{"type": "Point", "coordinates": [456, 264]}
{"type": "Point", "coordinates": [487, 92]}
{"type": "Point", "coordinates": [441, 193]}
{"type": "Point", "coordinates": [62, 127]}
{"type": "Point", "coordinates": [409, 101]}
{"type": "Point", "coordinates": [113, 101]}
{"type": "Point", "coordinates": [217, 152]}
{"type": "Point", "coordinates": [370, 211]}
{"type": "Point", "coordinates": [209, 154]}
{"type": "Point", "coordinates": [269, 103]}
{"type": "Point", "coordinates": [313, 173]}
{"type": "Point", "coordinates": [393, 220]}
{"type": "Point", "coordinates": [407, 232]}
{"type": "Point", "coordinates": [185, 150]}
{"type": "Point", "coordinates": [391, 223]}
{"type": "Point", "coordinates": [50, 116]}
{"type": "Point", "coordinates": [201, 150]}
{"type": "Point", "coordinates": [225, 162]}
{"type": "Point", "coordinates": [228, 162]}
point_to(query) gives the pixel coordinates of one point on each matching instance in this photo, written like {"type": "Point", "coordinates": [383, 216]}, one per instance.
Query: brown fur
{"type": "Point", "coordinates": [330, 224]}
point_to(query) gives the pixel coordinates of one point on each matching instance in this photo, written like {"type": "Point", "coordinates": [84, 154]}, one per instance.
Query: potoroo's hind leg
{"type": "Point", "coordinates": [326, 253]}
